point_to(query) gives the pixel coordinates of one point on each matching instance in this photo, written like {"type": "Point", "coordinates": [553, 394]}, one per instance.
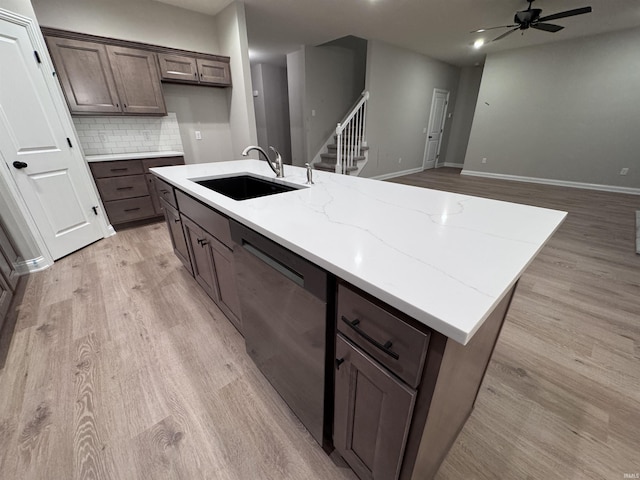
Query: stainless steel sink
{"type": "Point", "coordinates": [244, 187]}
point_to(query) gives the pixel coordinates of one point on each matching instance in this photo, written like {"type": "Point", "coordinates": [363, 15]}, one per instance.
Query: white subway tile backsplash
{"type": "Point", "coordinates": [128, 134]}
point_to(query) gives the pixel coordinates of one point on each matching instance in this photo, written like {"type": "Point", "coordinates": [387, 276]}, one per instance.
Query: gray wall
{"type": "Point", "coordinates": [22, 7]}
{"type": "Point", "coordinates": [564, 111]}
{"type": "Point", "coordinates": [296, 82]}
{"type": "Point", "coordinates": [272, 108]}
{"type": "Point", "coordinates": [401, 85]}
{"type": "Point", "coordinates": [334, 82]}
{"type": "Point", "coordinates": [466, 98]}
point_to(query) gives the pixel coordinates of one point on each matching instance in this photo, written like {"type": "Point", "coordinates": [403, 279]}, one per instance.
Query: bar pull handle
{"type": "Point", "coordinates": [386, 347]}
{"type": "Point", "coordinates": [131, 209]}
{"type": "Point", "coordinates": [124, 188]}
{"type": "Point", "coordinates": [339, 361]}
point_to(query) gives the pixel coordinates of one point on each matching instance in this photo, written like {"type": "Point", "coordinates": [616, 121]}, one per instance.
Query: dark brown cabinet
{"type": "Point", "coordinates": [372, 414]}
{"type": "Point", "coordinates": [198, 70]}
{"type": "Point", "coordinates": [201, 263]}
{"type": "Point", "coordinates": [137, 81]}
{"type": "Point", "coordinates": [98, 78]}
{"type": "Point", "coordinates": [85, 75]}
{"type": "Point", "coordinates": [214, 72]}
{"type": "Point", "coordinates": [176, 233]}
{"type": "Point", "coordinates": [227, 294]}
{"type": "Point", "coordinates": [127, 189]}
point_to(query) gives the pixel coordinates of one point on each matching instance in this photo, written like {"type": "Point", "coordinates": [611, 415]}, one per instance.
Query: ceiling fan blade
{"type": "Point", "coordinates": [547, 27]}
{"type": "Point", "coordinates": [505, 34]}
{"type": "Point", "coordinates": [568, 13]}
{"type": "Point", "coordinates": [480, 30]}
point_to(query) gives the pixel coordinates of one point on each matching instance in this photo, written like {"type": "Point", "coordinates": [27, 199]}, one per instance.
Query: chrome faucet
{"type": "Point", "coordinates": [276, 166]}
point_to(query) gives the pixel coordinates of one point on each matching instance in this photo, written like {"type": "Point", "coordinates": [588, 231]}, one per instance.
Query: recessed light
{"type": "Point", "coordinates": [478, 43]}
{"type": "Point", "coordinates": [480, 31]}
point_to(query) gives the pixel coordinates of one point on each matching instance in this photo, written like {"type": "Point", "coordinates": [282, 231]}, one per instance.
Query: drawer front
{"type": "Point", "coordinates": [213, 222]}
{"type": "Point", "coordinates": [118, 188]}
{"type": "Point", "coordinates": [116, 169]}
{"type": "Point", "coordinates": [148, 163]}
{"type": "Point", "coordinates": [394, 343]}
{"type": "Point", "coordinates": [121, 211]}
{"type": "Point", "coordinates": [165, 192]}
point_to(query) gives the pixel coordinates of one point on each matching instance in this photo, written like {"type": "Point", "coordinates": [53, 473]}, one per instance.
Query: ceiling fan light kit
{"type": "Point", "coordinates": [530, 18]}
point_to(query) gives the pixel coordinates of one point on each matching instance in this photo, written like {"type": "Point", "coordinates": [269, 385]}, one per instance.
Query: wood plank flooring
{"type": "Point", "coordinates": [120, 367]}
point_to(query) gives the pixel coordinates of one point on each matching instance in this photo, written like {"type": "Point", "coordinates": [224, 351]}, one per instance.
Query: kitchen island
{"type": "Point", "coordinates": [423, 264]}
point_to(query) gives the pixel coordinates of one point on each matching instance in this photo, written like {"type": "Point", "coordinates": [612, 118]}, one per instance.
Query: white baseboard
{"type": "Point", "coordinates": [387, 176]}
{"type": "Point", "coordinates": [549, 181]}
{"type": "Point", "coordinates": [32, 265]}
{"type": "Point", "coordinates": [110, 231]}
{"type": "Point", "coordinates": [451, 164]}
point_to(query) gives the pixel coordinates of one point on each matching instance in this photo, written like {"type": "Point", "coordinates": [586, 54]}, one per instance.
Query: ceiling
{"type": "Point", "coordinates": [437, 28]}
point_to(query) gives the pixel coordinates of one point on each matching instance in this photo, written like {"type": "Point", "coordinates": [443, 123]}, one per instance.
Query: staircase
{"type": "Point", "coordinates": [348, 153]}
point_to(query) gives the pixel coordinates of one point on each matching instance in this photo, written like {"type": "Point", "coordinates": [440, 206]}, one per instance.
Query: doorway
{"type": "Point", "coordinates": [435, 130]}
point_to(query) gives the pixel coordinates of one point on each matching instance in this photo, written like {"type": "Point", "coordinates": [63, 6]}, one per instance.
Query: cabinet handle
{"type": "Point", "coordinates": [124, 188]}
{"type": "Point", "coordinates": [119, 169]}
{"type": "Point", "coordinates": [339, 361]}
{"type": "Point", "coordinates": [176, 220]}
{"type": "Point", "coordinates": [203, 242]}
{"type": "Point", "coordinates": [131, 209]}
{"type": "Point", "coordinates": [164, 192]}
{"type": "Point", "coordinates": [386, 347]}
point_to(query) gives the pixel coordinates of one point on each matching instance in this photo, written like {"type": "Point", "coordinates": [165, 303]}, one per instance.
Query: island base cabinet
{"type": "Point", "coordinates": [223, 265]}
{"type": "Point", "coordinates": [372, 415]}
{"type": "Point", "coordinates": [176, 232]}
{"type": "Point", "coordinates": [201, 264]}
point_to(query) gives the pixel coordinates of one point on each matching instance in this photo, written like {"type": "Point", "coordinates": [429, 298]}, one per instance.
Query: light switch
{"type": "Point", "coordinates": [313, 113]}
{"type": "Point", "coordinates": [198, 135]}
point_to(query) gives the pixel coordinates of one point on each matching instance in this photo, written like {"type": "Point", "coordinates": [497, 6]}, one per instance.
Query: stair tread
{"type": "Point", "coordinates": [334, 156]}
{"type": "Point", "coordinates": [335, 147]}
{"type": "Point", "coordinates": [331, 167]}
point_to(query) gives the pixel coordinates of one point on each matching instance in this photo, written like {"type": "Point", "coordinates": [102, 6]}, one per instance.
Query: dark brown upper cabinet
{"type": "Point", "coordinates": [185, 69]}
{"type": "Point", "coordinates": [136, 75]}
{"type": "Point", "coordinates": [178, 68]}
{"type": "Point", "coordinates": [85, 75]}
{"type": "Point", "coordinates": [108, 76]}
{"type": "Point", "coordinates": [213, 72]}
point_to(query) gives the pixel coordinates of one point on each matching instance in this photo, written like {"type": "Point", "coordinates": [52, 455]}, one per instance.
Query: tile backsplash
{"type": "Point", "coordinates": [104, 135]}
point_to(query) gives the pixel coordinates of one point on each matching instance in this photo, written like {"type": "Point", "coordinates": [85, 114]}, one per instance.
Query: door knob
{"type": "Point", "coordinates": [20, 165]}
{"type": "Point", "coordinates": [430, 136]}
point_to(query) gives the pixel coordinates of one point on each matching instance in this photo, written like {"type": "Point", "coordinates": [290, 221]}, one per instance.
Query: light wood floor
{"type": "Point", "coordinates": [116, 365]}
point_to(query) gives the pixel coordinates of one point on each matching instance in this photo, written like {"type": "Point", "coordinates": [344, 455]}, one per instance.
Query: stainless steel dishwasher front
{"type": "Point", "coordinates": [283, 299]}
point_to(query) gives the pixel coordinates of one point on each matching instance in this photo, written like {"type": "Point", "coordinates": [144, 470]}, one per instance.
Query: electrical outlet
{"type": "Point", "coordinates": [146, 134]}
{"type": "Point", "coordinates": [484, 160]}
{"type": "Point", "coordinates": [313, 113]}
{"type": "Point", "coordinates": [624, 171]}
{"type": "Point", "coordinates": [102, 136]}
{"type": "Point", "coordinates": [424, 130]}
{"type": "Point", "coordinates": [198, 135]}
{"type": "Point", "coordinates": [400, 160]}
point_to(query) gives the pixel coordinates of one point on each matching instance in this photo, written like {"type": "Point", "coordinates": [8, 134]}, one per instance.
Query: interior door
{"type": "Point", "coordinates": [436, 127]}
{"type": "Point", "coordinates": [33, 143]}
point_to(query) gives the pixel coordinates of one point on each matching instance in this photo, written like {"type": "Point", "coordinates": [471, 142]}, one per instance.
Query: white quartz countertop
{"type": "Point", "coordinates": [442, 258]}
{"type": "Point", "coordinates": [130, 156]}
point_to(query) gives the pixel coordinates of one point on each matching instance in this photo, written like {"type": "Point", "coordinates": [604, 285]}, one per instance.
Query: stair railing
{"type": "Point", "coordinates": [350, 135]}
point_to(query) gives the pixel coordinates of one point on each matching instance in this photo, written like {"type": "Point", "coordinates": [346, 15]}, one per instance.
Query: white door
{"type": "Point", "coordinates": [436, 127]}
{"type": "Point", "coordinates": [51, 179]}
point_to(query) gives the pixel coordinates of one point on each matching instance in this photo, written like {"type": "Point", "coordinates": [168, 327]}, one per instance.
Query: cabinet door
{"type": "Point", "coordinates": [214, 72]}
{"type": "Point", "coordinates": [8, 259]}
{"type": "Point", "coordinates": [372, 414]}
{"type": "Point", "coordinates": [85, 75]}
{"type": "Point", "coordinates": [153, 193]}
{"type": "Point", "coordinates": [176, 232]}
{"type": "Point", "coordinates": [225, 274]}
{"type": "Point", "coordinates": [178, 68]}
{"type": "Point", "coordinates": [200, 257]}
{"type": "Point", "coordinates": [137, 80]}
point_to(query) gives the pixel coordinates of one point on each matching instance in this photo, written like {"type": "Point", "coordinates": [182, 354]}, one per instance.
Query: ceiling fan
{"type": "Point", "coordinates": [530, 18]}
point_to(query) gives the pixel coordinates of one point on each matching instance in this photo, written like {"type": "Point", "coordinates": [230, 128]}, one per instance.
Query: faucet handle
{"type": "Point", "coordinates": [309, 174]}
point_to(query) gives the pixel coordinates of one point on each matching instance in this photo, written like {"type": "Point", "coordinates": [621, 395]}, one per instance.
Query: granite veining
{"type": "Point", "coordinates": [444, 259]}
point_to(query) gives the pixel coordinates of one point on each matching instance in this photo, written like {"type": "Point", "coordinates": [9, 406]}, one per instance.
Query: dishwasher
{"type": "Point", "coordinates": [283, 299]}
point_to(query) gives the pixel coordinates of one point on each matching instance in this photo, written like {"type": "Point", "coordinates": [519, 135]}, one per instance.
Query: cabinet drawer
{"type": "Point", "coordinates": [118, 188]}
{"type": "Point", "coordinates": [213, 222]}
{"type": "Point", "coordinates": [393, 342]}
{"type": "Point", "coordinates": [148, 163]}
{"type": "Point", "coordinates": [116, 169]}
{"type": "Point", "coordinates": [165, 192]}
{"type": "Point", "coordinates": [120, 211]}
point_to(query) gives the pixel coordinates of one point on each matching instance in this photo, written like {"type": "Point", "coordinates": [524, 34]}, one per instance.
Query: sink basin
{"type": "Point", "coordinates": [244, 187]}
